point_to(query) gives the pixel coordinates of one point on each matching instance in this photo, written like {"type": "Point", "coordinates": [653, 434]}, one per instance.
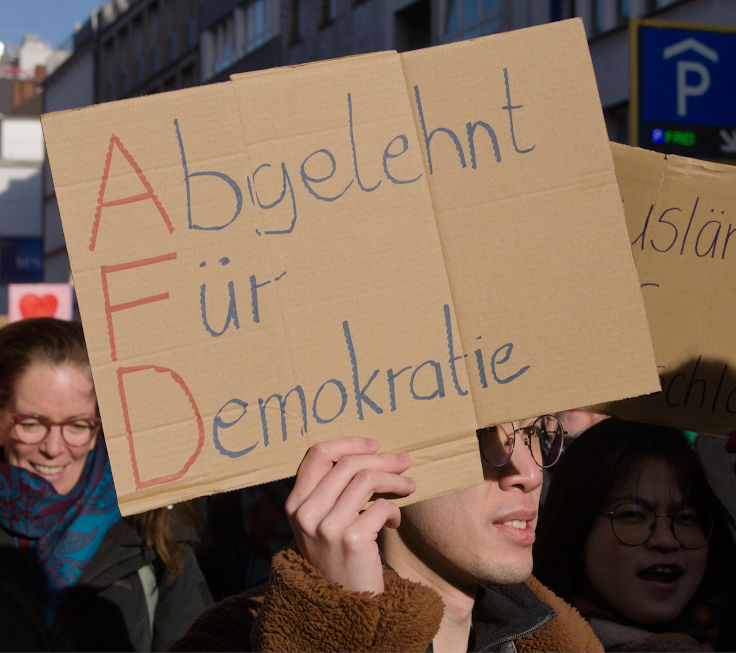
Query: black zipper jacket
{"type": "Point", "coordinates": [108, 609]}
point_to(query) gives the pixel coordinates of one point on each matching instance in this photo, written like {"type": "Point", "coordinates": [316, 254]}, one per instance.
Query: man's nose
{"type": "Point", "coordinates": [521, 470]}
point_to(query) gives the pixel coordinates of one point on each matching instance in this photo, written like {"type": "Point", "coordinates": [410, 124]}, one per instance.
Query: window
{"type": "Point", "coordinates": [191, 25]}
{"type": "Point", "coordinates": [154, 23]}
{"type": "Point", "coordinates": [172, 30]}
{"type": "Point", "coordinates": [295, 32]}
{"type": "Point", "coordinates": [124, 61]}
{"type": "Point", "coordinates": [607, 15]}
{"type": "Point", "coordinates": [562, 9]}
{"type": "Point", "coordinates": [155, 58]}
{"type": "Point", "coordinates": [466, 19]}
{"type": "Point", "coordinates": [171, 13]}
{"type": "Point", "coordinates": [225, 51]}
{"type": "Point", "coordinates": [138, 51]}
{"type": "Point", "coordinates": [649, 6]}
{"type": "Point", "coordinates": [327, 12]}
{"type": "Point", "coordinates": [173, 46]}
{"type": "Point", "coordinates": [598, 16]}
{"type": "Point", "coordinates": [187, 76]}
{"type": "Point", "coordinates": [258, 20]}
{"type": "Point", "coordinates": [154, 37]}
{"type": "Point", "coordinates": [110, 70]}
{"type": "Point", "coordinates": [412, 26]}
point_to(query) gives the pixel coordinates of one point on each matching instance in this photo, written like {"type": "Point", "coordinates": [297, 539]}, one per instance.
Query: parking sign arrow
{"type": "Point", "coordinates": [729, 140]}
{"type": "Point", "coordinates": [690, 44]}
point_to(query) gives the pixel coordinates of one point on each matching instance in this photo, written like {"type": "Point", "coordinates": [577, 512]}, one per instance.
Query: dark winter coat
{"type": "Point", "coordinates": [110, 607]}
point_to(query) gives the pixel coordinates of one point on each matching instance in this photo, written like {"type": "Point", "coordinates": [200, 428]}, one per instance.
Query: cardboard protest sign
{"type": "Point", "coordinates": [528, 215]}
{"type": "Point", "coordinates": [400, 246]}
{"type": "Point", "coordinates": [39, 300]}
{"type": "Point", "coordinates": [679, 213]}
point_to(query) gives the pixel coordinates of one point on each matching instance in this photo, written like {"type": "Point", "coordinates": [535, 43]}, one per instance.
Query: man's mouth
{"type": "Point", "coordinates": [46, 470]}
{"type": "Point", "coordinates": [661, 573]}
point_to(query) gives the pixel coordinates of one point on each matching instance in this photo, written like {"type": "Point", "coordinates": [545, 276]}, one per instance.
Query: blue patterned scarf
{"type": "Point", "coordinates": [59, 533]}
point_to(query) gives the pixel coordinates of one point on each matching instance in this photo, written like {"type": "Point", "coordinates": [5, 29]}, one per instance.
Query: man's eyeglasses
{"type": "Point", "coordinates": [634, 523]}
{"type": "Point", "coordinates": [545, 439]}
{"type": "Point", "coordinates": [33, 429]}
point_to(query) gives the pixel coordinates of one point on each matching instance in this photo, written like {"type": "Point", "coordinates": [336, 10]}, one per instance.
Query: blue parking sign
{"type": "Point", "coordinates": [685, 81]}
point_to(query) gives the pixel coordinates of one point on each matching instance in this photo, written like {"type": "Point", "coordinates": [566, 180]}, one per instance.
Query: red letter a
{"type": "Point", "coordinates": [148, 195]}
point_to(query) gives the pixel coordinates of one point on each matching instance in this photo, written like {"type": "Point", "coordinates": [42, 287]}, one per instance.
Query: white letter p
{"type": "Point", "coordinates": [683, 89]}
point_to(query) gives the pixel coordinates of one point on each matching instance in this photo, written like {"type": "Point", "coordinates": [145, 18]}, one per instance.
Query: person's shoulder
{"type": "Point", "coordinates": [123, 533]}
{"type": "Point", "coordinates": [568, 631]}
{"type": "Point", "coordinates": [121, 552]}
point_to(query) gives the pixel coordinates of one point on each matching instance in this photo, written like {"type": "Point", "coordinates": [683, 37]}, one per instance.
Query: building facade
{"type": "Point", "coordinates": [146, 46]}
{"type": "Point", "coordinates": [136, 47]}
{"type": "Point", "coordinates": [71, 84]}
{"type": "Point", "coordinates": [22, 70]}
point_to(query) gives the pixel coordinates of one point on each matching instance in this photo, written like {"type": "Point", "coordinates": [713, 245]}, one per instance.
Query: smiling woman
{"type": "Point", "coordinates": [648, 555]}
{"type": "Point", "coordinates": [73, 574]}
{"type": "Point", "coordinates": [55, 450]}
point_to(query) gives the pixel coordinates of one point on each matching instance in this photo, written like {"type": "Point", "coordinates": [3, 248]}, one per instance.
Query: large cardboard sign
{"type": "Point", "coordinates": [681, 218]}
{"type": "Point", "coordinates": [402, 246]}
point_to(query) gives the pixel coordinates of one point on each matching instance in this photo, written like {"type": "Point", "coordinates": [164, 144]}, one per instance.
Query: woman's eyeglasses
{"type": "Point", "coordinates": [33, 429]}
{"type": "Point", "coordinates": [634, 523]}
{"type": "Point", "coordinates": [545, 439]}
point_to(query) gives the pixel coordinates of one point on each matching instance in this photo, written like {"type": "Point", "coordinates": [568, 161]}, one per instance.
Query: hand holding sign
{"type": "Point", "coordinates": [325, 509]}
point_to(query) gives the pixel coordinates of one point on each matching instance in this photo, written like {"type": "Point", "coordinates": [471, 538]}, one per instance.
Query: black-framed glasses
{"type": "Point", "coordinates": [545, 439]}
{"type": "Point", "coordinates": [634, 523]}
{"type": "Point", "coordinates": [33, 429]}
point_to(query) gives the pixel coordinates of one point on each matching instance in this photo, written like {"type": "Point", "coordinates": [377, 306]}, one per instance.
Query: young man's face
{"type": "Point", "coordinates": [483, 534]}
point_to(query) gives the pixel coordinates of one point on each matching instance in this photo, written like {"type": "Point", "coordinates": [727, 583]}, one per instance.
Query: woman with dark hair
{"type": "Point", "coordinates": [633, 536]}
{"type": "Point", "coordinates": [73, 574]}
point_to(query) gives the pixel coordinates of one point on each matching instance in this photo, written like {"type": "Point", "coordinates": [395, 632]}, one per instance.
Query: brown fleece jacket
{"type": "Point", "coordinates": [568, 631]}
{"type": "Point", "coordinates": [300, 610]}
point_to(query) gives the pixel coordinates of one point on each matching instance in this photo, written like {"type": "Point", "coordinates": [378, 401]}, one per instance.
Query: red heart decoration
{"type": "Point", "coordinates": [34, 306]}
